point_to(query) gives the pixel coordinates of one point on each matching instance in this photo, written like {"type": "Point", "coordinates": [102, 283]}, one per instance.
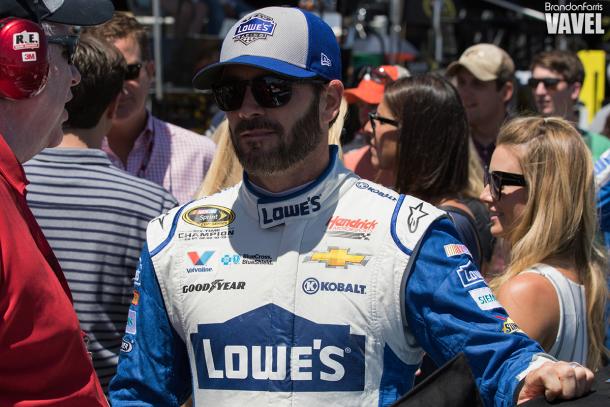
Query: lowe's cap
{"type": "Point", "coordinates": [486, 62]}
{"type": "Point", "coordinates": [288, 41]}
{"type": "Point", "coordinates": [69, 12]}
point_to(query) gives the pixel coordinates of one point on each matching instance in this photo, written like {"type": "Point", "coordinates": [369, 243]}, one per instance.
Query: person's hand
{"type": "Point", "coordinates": [556, 380]}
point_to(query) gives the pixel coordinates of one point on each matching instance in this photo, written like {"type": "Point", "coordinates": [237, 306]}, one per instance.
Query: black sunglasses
{"type": "Point", "coordinates": [68, 43]}
{"type": "Point", "coordinates": [498, 179]}
{"type": "Point", "coordinates": [268, 91]}
{"type": "Point", "coordinates": [549, 83]}
{"type": "Point", "coordinates": [373, 117]}
{"type": "Point", "coordinates": [133, 71]}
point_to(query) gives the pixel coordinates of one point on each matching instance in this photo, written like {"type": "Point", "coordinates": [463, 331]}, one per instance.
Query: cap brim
{"type": "Point", "coordinates": [211, 75]}
{"type": "Point", "coordinates": [82, 12]}
{"type": "Point", "coordinates": [362, 95]}
{"type": "Point", "coordinates": [453, 68]}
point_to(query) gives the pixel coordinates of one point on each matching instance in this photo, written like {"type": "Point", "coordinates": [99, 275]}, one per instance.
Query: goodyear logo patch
{"type": "Point", "coordinates": [257, 27]}
{"type": "Point", "coordinates": [209, 216]}
{"type": "Point", "coordinates": [337, 258]}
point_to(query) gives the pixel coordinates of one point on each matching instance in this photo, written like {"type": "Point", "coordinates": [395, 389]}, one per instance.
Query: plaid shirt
{"type": "Point", "coordinates": [170, 156]}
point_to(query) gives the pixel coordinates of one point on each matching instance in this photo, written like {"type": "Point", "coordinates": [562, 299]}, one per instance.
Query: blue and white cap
{"type": "Point", "coordinates": [288, 41]}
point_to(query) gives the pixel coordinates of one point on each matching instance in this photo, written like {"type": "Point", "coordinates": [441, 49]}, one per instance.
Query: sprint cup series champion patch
{"type": "Point", "coordinates": [256, 27]}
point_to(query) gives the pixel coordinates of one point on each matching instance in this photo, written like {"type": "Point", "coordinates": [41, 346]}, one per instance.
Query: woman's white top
{"type": "Point", "coordinates": [571, 342]}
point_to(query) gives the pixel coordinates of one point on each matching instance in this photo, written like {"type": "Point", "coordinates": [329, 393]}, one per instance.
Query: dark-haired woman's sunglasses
{"type": "Point", "coordinates": [268, 91]}
{"type": "Point", "coordinates": [68, 43]}
{"type": "Point", "coordinates": [499, 179]}
{"type": "Point", "coordinates": [133, 71]}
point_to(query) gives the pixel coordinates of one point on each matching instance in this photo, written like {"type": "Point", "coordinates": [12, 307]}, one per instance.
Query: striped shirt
{"type": "Point", "coordinates": [94, 217]}
{"type": "Point", "coordinates": [168, 155]}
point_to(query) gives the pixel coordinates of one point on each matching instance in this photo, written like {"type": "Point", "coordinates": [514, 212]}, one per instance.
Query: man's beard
{"type": "Point", "coordinates": [305, 136]}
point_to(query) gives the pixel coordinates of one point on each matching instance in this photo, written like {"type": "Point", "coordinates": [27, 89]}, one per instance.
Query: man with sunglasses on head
{"type": "Point", "coordinates": [138, 142]}
{"type": "Point", "coordinates": [43, 358]}
{"type": "Point", "coordinates": [556, 82]}
{"type": "Point", "coordinates": [304, 284]}
{"type": "Point", "coordinates": [484, 77]}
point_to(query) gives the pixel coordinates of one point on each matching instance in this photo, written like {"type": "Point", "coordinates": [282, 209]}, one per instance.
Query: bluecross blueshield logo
{"type": "Point", "coordinates": [271, 349]}
{"type": "Point", "coordinates": [230, 259]}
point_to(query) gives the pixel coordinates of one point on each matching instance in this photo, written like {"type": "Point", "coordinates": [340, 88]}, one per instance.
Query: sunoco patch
{"type": "Point", "coordinates": [257, 27]}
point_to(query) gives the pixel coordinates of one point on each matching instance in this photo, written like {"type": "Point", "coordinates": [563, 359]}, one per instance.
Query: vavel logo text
{"type": "Point", "coordinates": [573, 18]}
{"type": "Point", "coordinates": [240, 355]}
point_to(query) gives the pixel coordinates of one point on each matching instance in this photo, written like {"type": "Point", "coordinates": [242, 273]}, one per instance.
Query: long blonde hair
{"type": "Point", "coordinates": [559, 219]}
{"type": "Point", "coordinates": [226, 171]}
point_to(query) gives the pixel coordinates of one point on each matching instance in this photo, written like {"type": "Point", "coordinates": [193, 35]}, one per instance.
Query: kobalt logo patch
{"type": "Point", "coordinates": [209, 216]}
{"type": "Point", "coordinates": [364, 185]}
{"type": "Point", "coordinates": [312, 285]}
{"type": "Point", "coordinates": [257, 27]}
{"type": "Point", "coordinates": [239, 354]}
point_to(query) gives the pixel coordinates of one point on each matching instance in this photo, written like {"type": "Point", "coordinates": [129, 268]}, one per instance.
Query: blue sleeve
{"type": "Point", "coordinates": [153, 365]}
{"type": "Point", "coordinates": [603, 207]}
{"type": "Point", "coordinates": [450, 309]}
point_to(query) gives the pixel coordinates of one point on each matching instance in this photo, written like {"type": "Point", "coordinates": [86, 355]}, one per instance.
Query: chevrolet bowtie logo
{"type": "Point", "coordinates": [336, 257]}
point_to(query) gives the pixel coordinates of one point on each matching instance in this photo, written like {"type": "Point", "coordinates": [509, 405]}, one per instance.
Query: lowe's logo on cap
{"type": "Point", "coordinates": [256, 27]}
{"type": "Point", "coordinates": [300, 356]}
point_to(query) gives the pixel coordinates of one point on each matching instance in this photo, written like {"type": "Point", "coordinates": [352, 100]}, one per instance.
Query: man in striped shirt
{"type": "Point", "coordinates": [93, 214]}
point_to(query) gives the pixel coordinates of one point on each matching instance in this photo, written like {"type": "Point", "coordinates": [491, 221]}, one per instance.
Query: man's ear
{"type": "Point", "coordinates": [331, 101]}
{"type": "Point", "coordinates": [112, 108]}
{"type": "Point", "coordinates": [150, 68]}
{"type": "Point", "coordinates": [507, 91]}
{"type": "Point", "coordinates": [575, 92]}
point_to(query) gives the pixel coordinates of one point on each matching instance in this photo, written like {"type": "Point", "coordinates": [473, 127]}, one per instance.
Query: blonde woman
{"type": "Point", "coordinates": [540, 192]}
{"type": "Point", "coordinates": [226, 171]}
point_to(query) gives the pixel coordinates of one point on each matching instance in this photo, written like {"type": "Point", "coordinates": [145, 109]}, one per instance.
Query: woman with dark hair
{"type": "Point", "coordinates": [420, 131]}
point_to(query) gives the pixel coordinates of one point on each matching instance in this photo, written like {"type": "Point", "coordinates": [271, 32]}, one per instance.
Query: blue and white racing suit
{"type": "Point", "coordinates": [327, 296]}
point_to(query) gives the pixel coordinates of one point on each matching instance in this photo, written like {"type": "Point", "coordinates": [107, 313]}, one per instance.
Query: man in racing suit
{"type": "Point", "coordinates": [305, 285]}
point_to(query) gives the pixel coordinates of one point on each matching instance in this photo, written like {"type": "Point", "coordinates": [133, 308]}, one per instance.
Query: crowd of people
{"type": "Point", "coordinates": [269, 264]}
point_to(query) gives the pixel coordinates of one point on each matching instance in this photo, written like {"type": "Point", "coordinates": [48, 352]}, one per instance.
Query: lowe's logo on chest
{"type": "Point", "coordinates": [274, 214]}
{"type": "Point", "coordinates": [271, 349]}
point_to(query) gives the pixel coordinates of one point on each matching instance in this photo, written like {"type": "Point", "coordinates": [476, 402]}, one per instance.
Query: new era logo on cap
{"type": "Point", "coordinates": [285, 40]}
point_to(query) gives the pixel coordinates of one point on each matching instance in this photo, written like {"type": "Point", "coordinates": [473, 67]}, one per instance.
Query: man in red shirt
{"type": "Point", "coordinates": [43, 359]}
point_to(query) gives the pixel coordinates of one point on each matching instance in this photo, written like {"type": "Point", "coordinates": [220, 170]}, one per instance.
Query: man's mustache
{"type": "Point", "coordinates": [258, 123]}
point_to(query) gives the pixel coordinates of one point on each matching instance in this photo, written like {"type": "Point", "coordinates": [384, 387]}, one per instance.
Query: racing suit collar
{"type": "Point", "coordinates": [302, 204]}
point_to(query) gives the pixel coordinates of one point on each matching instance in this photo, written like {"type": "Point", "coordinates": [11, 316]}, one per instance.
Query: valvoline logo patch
{"type": "Point", "coordinates": [271, 349]}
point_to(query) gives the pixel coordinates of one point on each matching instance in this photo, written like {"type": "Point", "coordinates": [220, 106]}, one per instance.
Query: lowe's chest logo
{"type": "Point", "coordinates": [273, 214]}
{"type": "Point", "coordinates": [257, 27]}
{"type": "Point", "coordinates": [240, 354]}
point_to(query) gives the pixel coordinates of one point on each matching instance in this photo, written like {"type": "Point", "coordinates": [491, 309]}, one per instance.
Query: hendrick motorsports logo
{"type": "Point", "coordinates": [573, 18]}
